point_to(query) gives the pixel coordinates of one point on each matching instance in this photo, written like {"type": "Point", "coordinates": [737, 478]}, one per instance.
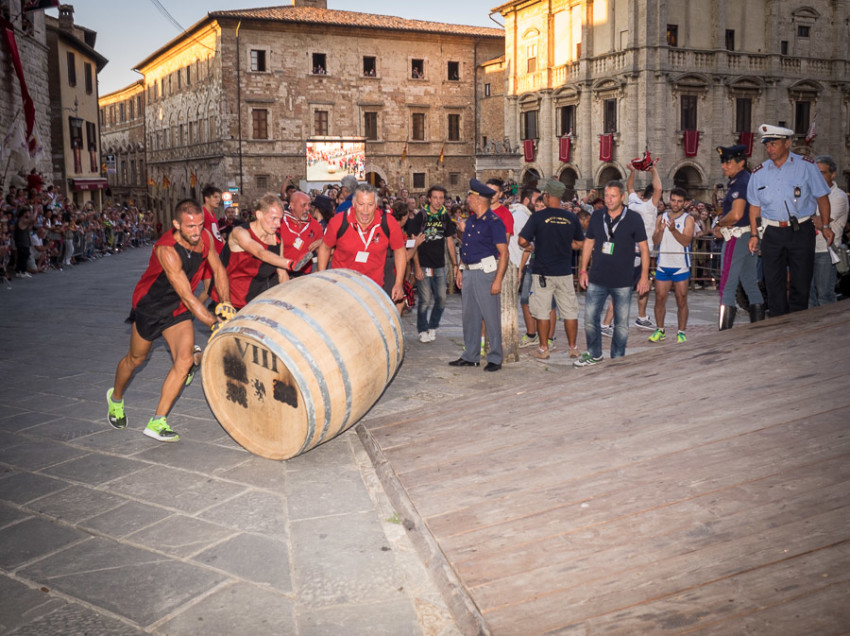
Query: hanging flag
{"type": "Point", "coordinates": [29, 106]}
{"type": "Point", "coordinates": [404, 152]}
{"type": "Point", "coordinates": [606, 147]}
{"type": "Point", "coordinates": [564, 149]}
{"type": "Point", "coordinates": [151, 182]}
{"type": "Point", "coordinates": [166, 182]}
{"type": "Point", "coordinates": [193, 180]}
{"type": "Point", "coordinates": [691, 141]}
{"type": "Point", "coordinates": [746, 139]}
{"type": "Point", "coordinates": [811, 134]}
{"type": "Point", "coordinates": [442, 158]}
{"type": "Point", "coordinates": [528, 150]}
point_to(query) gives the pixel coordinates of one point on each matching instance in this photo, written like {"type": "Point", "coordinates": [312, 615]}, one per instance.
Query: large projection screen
{"type": "Point", "coordinates": [331, 160]}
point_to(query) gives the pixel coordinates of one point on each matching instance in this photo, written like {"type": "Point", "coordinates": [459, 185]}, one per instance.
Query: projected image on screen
{"type": "Point", "coordinates": [333, 160]}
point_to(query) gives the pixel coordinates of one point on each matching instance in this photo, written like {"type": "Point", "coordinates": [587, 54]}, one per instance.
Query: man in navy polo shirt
{"type": "Point", "coordinates": [611, 238]}
{"type": "Point", "coordinates": [484, 258]}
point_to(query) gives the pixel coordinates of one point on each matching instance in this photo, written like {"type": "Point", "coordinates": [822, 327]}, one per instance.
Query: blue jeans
{"type": "Point", "coordinates": [823, 281]}
{"type": "Point", "coordinates": [594, 303]}
{"type": "Point", "coordinates": [432, 291]}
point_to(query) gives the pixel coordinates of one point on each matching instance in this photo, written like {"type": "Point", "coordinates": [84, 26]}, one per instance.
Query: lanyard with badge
{"type": "Point", "coordinates": [298, 242]}
{"type": "Point", "coordinates": [610, 227]}
{"type": "Point", "coordinates": [363, 256]}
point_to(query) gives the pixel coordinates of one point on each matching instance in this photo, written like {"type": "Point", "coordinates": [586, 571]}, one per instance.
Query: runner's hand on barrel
{"type": "Point", "coordinates": [216, 326]}
{"type": "Point", "coordinates": [225, 311]}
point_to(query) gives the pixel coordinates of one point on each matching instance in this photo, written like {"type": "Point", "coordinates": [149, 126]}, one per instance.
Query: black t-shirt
{"type": "Point", "coordinates": [436, 227]}
{"type": "Point", "coordinates": [552, 230]}
{"type": "Point", "coordinates": [615, 269]}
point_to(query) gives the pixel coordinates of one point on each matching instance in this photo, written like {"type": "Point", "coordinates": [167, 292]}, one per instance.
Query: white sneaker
{"type": "Point", "coordinates": [423, 337]}
{"type": "Point", "coordinates": [644, 323]}
{"type": "Point", "coordinates": [432, 335]}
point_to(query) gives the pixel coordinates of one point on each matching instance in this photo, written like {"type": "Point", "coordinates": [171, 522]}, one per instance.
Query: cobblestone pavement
{"type": "Point", "coordinates": [108, 532]}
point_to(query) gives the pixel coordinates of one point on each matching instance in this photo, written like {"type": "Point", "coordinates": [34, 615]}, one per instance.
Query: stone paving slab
{"type": "Point", "coordinates": [108, 532]}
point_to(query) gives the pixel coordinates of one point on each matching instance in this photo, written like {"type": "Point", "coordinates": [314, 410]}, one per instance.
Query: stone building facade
{"type": "Point", "coordinates": [122, 125]}
{"type": "Point", "coordinates": [72, 68]}
{"type": "Point", "coordinates": [30, 35]}
{"type": "Point", "coordinates": [675, 76]}
{"type": "Point", "coordinates": [234, 99]}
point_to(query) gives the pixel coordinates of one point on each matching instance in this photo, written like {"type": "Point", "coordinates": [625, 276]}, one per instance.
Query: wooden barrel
{"type": "Point", "coordinates": [303, 362]}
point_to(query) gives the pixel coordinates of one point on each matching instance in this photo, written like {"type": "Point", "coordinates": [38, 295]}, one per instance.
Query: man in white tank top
{"type": "Point", "coordinates": [673, 233]}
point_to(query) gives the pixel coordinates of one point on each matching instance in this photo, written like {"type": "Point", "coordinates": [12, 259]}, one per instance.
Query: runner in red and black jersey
{"type": "Point", "coordinates": [253, 254]}
{"type": "Point", "coordinates": [212, 199]}
{"type": "Point", "coordinates": [164, 305]}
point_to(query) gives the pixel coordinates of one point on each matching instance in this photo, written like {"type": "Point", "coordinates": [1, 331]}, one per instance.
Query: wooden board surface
{"type": "Point", "coordinates": [705, 489]}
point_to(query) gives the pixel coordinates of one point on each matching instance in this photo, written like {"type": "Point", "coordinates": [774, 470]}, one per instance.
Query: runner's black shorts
{"type": "Point", "coordinates": [151, 327]}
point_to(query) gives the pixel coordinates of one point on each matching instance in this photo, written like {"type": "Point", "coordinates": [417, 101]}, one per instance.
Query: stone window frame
{"type": "Point", "coordinates": [311, 63]}
{"type": "Point", "coordinates": [319, 105]}
{"type": "Point", "coordinates": [567, 96]}
{"type": "Point", "coordinates": [693, 85]}
{"type": "Point", "coordinates": [413, 186]}
{"type": "Point", "coordinates": [459, 137]}
{"type": "Point", "coordinates": [529, 103]}
{"type": "Point", "coordinates": [267, 61]}
{"type": "Point", "coordinates": [424, 68]}
{"type": "Point", "coordinates": [260, 108]}
{"type": "Point", "coordinates": [363, 61]}
{"type": "Point", "coordinates": [807, 91]}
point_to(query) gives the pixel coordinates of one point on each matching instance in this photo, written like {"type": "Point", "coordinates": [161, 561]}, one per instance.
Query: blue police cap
{"type": "Point", "coordinates": [737, 152]}
{"type": "Point", "coordinates": [479, 188]}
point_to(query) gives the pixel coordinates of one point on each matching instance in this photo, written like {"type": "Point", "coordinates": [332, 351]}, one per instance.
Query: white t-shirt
{"type": "Point", "coordinates": [521, 215]}
{"type": "Point", "coordinates": [649, 213]}
{"type": "Point", "coordinates": [838, 213]}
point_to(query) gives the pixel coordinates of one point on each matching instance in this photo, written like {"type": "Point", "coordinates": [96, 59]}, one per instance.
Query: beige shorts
{"type": "Point", "coordinates": [560, 288]}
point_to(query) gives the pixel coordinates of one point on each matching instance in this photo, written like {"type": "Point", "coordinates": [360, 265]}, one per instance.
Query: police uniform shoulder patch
{"type": "Point", "coordinates": [809, 159]}
{"type": "Point", "coordinates": [757, 168]}
{"type": "Point", "coordinates": [734, 195]}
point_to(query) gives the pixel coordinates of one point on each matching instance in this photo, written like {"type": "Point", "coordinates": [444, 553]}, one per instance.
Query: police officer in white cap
{"type": "Point", "coordinates": [786, 192]}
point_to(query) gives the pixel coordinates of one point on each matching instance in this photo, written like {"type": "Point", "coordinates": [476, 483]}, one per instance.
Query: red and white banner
{"type": "Point", "coordinates": [564, 147]}
{"type": "Point", "coordinates": [691, 143]}
{"type": "Point", "coordinates": [528, 150]}
{"type": "Point", "coordinates": [606, 147]}
{"type": "Point", "coordinates": [746, 139]}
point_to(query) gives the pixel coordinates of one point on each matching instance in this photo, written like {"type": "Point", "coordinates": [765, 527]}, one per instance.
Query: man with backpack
{"type": "Point", "coordinates": [429, 261]}
{"type": "Point", "coordinates": [360, 238]}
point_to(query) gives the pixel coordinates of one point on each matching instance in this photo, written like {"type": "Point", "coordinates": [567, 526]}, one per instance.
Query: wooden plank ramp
{"type": "Point", "coordinates": [699, 489]}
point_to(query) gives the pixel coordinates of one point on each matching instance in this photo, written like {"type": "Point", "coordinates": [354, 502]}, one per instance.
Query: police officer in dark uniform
{"type": "Point", "coordinates": [786, 192]}
{"type": "Point", "coordinates": [739, 264]}
{"type": "Point", "coordinates": [484, 259]}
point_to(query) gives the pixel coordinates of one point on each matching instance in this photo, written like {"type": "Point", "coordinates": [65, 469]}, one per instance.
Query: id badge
{"type": "Point", "coordinates": [410, 243]}
{"type": "Point", "coordinates": [429, 272]}
{"type": "Point", "coordinates": [297, 243]}
{"type": "Point", "coordinates": [607, 247]}
{"type": "Point", "coordinates": [361, 257]}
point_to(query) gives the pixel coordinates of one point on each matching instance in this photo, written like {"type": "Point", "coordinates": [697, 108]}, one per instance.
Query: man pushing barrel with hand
{"type": "Point", "coordinates": [164, 305]}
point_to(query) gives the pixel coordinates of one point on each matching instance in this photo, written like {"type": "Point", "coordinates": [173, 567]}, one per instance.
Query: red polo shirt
{"type": "Point", "coordinates": [353, 241]}
{"type": "Point", "coordinates": [507, 218]}
{"type": "Point", "coordinates": [300, 233]}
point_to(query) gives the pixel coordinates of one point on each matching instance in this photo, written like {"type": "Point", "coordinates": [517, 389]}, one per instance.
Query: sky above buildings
{"type": "Point", "coordinates": [130, 30]}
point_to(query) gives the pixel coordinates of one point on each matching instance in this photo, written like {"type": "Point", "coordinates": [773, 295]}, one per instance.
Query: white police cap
{"type": "Point", "coordinates": [769, 133]}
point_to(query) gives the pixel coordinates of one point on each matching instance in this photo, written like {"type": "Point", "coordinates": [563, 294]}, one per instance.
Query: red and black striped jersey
{"type": "Point", "coordinates": [154, 295]}
{"type": "Point", "coordinates": [248, 275]}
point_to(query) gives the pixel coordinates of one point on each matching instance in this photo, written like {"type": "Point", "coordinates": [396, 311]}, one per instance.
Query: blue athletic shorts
{"type": "Point", "coordinates": [672, 273]}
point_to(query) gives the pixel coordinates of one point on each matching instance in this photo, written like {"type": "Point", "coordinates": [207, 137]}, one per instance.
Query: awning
{"type": "Point", "coordinates": [92, 183]}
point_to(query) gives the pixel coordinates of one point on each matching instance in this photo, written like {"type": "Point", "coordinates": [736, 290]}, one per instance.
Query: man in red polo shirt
{"type": "Point", "coordinates": [498, 209]}
{"type": "Point", "coordinates": [300, 233]}
{"type": "Point", "coordinates": [360, 239]}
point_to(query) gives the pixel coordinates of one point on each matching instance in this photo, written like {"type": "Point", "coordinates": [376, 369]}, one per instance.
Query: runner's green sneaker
{"type": "Point", "coordinates": [191, 376]}
{"type": "Point", "coordinates": [680, 337]}
{"type": "Point", "coordinates": [160, 430]}
{"type": "Point", "coordinates": [657, 336]}
{"type": "Point", "coordinates": [116, 412]}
